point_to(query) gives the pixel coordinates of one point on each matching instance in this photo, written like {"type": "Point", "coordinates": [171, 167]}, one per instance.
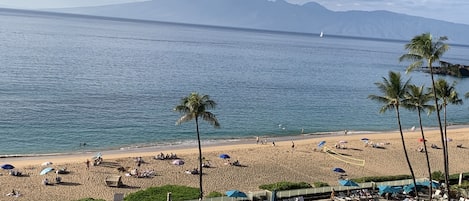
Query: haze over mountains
{"type": "Point", "coordinates": [282, 16]}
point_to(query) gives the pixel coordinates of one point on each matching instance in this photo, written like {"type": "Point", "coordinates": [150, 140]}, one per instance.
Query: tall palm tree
{"type": "Point", "coordinates": [194, 107]}
{"type": "Point", "coordinates": [448, 95]}
{"type": "Point", "coordinates": [416, 99]}
{"type": "Point", "coordinates": [420, 49]}
{"type": "Point", "coordinates": [394, 89]}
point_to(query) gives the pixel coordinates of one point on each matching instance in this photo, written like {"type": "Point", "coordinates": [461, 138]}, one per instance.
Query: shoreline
{"type": "Point", "coordinates": [210, 142]}
{"type": "Point", "coordinates": [149, 150]}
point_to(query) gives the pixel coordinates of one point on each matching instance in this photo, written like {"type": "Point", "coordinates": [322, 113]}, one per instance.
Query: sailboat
{"type": "Point", "coordinates": [321, 34]}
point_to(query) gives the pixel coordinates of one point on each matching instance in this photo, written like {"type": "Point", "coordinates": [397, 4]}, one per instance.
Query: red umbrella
{"type": "Point", "coordinates": [421, 140]}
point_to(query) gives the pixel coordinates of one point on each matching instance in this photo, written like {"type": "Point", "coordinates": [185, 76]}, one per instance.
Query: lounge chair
{"type": "Point", "coordinates": [114, 181]}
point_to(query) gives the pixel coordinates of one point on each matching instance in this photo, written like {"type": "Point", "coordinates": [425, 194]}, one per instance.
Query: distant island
{"type": "Point", "coordinates": [280, 15]}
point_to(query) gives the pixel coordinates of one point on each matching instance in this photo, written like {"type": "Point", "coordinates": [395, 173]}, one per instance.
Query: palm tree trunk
{"type": "Point", "coordinates": [430, 191]}
{"type": "Point", "coordinates": [201, 194]}
{"type": "Point", "coordinates": [446, 140]}
{"type": "Point", "coordinates": [405, 152]}
{"type": "Point", "coordinates": [440, 126]}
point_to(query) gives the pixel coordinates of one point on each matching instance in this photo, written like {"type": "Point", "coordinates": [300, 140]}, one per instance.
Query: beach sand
{"type": "Point", "coordinates": [262, 164]}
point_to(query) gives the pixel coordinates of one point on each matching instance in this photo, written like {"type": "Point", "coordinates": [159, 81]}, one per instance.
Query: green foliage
{"type": "Point", "coordinates": [90, 199]}
{"type": "Point", "coordinates": [284, 185]}
{"type": "Point", "coordinates": [318, 184]}
{"type": "Point", "coordinates": [214, 194]}
{"type": "Point", "coordinates": [438, 175]}
{"type": "Point", "coordinates": [381, 178]}
{"type": "Point", "coordinates": [178, 193]}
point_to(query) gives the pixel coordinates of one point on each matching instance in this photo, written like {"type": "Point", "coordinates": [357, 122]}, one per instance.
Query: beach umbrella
{"type": "Point", "coordinates": [365, 139]}
{"type": "Point", "coordinates": [7, 167]}
{"type": "Point", "coordinates": [224, 156]}
{"type": "Point", "coordinates": [421, 140]}
{"type": "Point", "coordinates": [388, 189]}
{"type": "Point", "coordinates": [322, 143]}
{"type": "Point", "coordinates": [46, 170]}
{"type": "Point", "coordinates": [98, 155]}
{"type": "Point", "coordinates": [347, 183]}
{"type": "Point", "coordinates": [46, 163]}
{"type": "Point", "coordinates": [178, 162]}
{"type": "Point", "coordinates": [338, 170]}
{"type": "Point", "coordinates": [236, 194]}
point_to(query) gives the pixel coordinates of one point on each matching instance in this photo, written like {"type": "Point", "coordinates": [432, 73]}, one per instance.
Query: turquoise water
{"type": "Point", "coordinates": [67, 80]}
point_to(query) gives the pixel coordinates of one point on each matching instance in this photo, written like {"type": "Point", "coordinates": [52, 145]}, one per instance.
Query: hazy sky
{"type": "Point", "coordinates": [448, 10]}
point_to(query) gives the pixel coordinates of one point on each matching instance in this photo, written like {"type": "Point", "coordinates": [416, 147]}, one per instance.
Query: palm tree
{"type": "Point", "coordinates": [417, 99]}
{"type": "Point", "coordinates": [393, 90]}
{"type": "Point", "coordinates": [193, 107]}
{"type": "Point", "coordinates": [423, 48]}
{"type": "Point", "coordinates": [448, 95]}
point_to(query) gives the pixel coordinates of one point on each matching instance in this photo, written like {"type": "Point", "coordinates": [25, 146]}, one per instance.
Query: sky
{"type": "Point", "coordinates": [447, 10]}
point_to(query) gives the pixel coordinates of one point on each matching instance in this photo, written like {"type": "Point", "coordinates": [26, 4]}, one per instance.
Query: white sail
{"type": "Point", "coordinates": [321, 34]}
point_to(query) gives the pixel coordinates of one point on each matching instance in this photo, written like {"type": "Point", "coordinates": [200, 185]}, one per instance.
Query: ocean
{"type": "Point", "coordinates": [113, 83]}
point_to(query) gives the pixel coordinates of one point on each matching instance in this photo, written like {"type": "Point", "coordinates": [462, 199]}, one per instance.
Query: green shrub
{"type": "Point", "coordinates": [281, 186]}
{"type": "Point", "coordinates": [214, 194]}
{"type": "Point", "coordinates": [438, 175]}
{"type": "Point", "coordinates": [381, 178]}
{"type": "Point", "coordinates": [178, 193]}
{"type": "Point", "coordinates": [318, 184]}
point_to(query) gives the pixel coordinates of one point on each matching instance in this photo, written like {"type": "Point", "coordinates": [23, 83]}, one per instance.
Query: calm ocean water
{"type": "Point", "coordinates": [67, 80]}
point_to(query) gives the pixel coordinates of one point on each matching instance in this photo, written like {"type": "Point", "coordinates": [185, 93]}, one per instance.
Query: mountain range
{"type": "Point", "coordinates": [282, 16]}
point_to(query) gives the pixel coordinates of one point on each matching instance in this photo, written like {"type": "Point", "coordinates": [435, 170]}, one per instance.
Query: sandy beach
{"type": "Point", "coordinates": [261, 164]}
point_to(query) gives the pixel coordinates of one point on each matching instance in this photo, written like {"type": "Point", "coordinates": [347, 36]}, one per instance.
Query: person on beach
{"type": "Point", "coordinates": [292, 145]}
{"type": "Point", "coordinates": [87, 164]}
{"type": "Point", "coordinates": [257, 139]}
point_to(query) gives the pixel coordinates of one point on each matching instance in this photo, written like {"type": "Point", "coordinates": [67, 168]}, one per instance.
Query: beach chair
{"type": "Point", "coordinates": [114, 181]}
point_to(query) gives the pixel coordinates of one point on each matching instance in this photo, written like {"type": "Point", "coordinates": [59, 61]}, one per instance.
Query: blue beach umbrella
{"type": "Point", "coordinates": [224, 156]}
{"type": "Point", "coordinates": [236, 194]}
{"type": "Point", "coordinates": [365, 139]}
{"type": "Point", "coordinates": [388, 189]}
{"type": "Point", "coordinates": [7, 167]}
{"type": "Point", "coordinates": [347, 183]}
{"type": "Point", "coordinates": [46, 170]}
{"type": "Point", "coordinates": [338, 170]}
{"type": "Point", "coordinates": [322, 143]}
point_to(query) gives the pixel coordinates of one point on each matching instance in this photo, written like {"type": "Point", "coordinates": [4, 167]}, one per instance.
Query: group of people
{"type": "Point", "coordinates": [144, 174]}
{"type": "Point", "coordinates": [46, 181]}
{"type": "Point", "coordinates": [15, 173]}
{"type": "Point", "coordinates": [162, 156]}
{"type": "Point", "coordinates": [235, 163]}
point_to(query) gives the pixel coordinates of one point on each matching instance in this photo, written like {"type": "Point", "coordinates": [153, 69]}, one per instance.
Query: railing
{"type": "Point", "coordinates": [267, 195]}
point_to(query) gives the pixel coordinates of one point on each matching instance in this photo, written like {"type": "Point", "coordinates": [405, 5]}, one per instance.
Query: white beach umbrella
{"type": "Point", "coordinates": [46, 163]}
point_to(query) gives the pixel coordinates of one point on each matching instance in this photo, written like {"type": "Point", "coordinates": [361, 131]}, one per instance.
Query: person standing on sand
{"type": "Point", "coordinates": [257, 139]}
{"type": "Point", "coordinates": [87, 164]}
